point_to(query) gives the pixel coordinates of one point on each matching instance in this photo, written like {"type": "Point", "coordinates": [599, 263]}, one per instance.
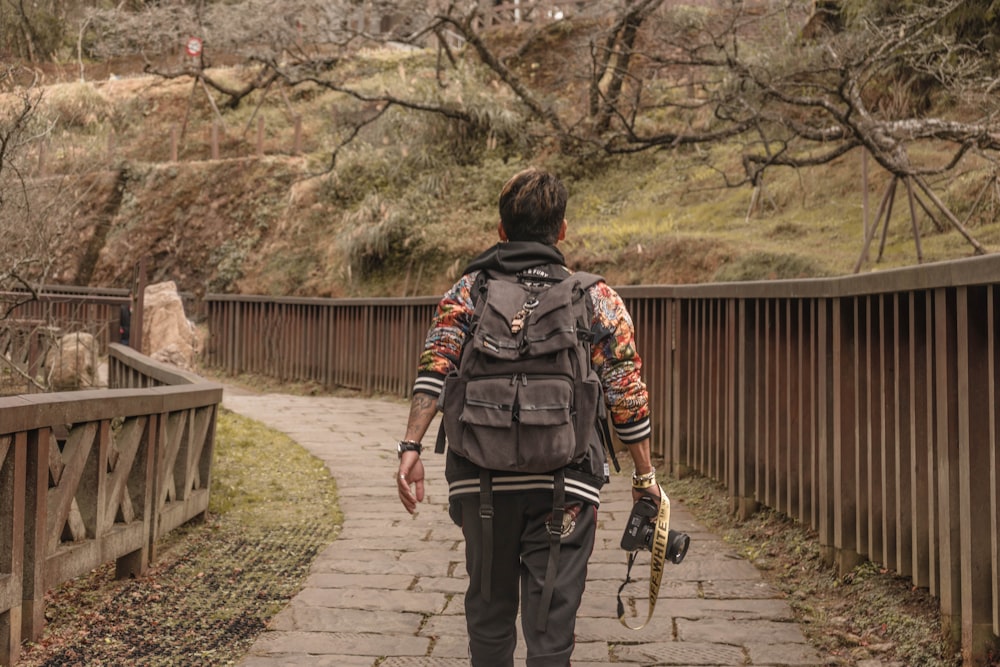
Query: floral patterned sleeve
{"type": "Point", "coordinates": [448, 331]}
{"type": "Point", "coordinates": [619, 365]}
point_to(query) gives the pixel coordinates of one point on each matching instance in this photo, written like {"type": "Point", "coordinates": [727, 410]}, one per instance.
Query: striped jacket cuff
{"type": "Point", "coordinates": [634, 432]}
{"type": "Point", "coordinates": [428, 383]}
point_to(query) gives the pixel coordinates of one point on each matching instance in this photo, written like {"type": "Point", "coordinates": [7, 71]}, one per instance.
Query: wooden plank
{"type": "Point", "coordinates": [977, 595]}
{"type": "Point", "coordinates": [946, 459]}
{"type": "Point", "coordinates": [902, 351]}
{"type": "Point", "coordinates": [76, 452]}
{"type": "Point", "coordinates": [845, 437]}
{"type": "Point", "coordinates": [127, 446]}
{"type": "Point", "coordinates": [993, 366]}
{"type": "Point", "coordinates": [13, 471]}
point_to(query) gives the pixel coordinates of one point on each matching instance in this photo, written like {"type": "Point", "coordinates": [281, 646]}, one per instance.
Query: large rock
{"type": "Point", "coordinates": [72, 362]}
{"type": "Point", "coordinates": [167, 334]}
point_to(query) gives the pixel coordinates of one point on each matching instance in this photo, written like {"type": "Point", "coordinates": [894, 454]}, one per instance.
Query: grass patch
{"type": "Point", "coordinates": [215, 584]}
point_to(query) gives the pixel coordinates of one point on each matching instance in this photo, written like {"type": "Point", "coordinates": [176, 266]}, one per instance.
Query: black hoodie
{"type": "Point", "coordinates": [515, 257]}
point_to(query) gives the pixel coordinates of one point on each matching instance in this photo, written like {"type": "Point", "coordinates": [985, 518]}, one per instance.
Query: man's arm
{"type": "Point", "coordinates": [442, 348]}
{"type": "Point", "coordinates": [423, 407]}
{"type": "Point", "coordinates": [644, 477]}
{"type": "Point", "coordinates": [619, 366]}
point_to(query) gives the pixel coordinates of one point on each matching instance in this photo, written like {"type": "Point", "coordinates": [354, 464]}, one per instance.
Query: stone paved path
{"type": "Point", "coordinates": [389, 591]}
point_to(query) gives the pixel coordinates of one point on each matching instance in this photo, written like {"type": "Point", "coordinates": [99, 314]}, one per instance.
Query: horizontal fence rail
{"type": "Point", "coordinates": [864, 407]}
{"type": "Point", "coordinates": [96, 476]}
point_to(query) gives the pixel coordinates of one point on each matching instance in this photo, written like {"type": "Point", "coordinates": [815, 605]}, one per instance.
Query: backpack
{"type": "Point", "coordinates": [525, 396]}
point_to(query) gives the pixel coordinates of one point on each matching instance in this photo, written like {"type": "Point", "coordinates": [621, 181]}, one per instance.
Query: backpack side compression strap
{"type": "Point", "coordinates": [555, 541]}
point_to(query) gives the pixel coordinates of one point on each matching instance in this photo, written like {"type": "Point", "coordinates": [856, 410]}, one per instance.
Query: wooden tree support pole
{"type": "Point", "coordinates": [913, 220]}
{"type": "Point", "coordinates": [980, 250]}
{"type": "Point", "coordinates": [885, 223]}
{"type": "Point", "coordinates": [870, 233]}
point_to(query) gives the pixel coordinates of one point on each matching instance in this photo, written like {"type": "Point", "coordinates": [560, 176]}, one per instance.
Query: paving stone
{"type": "Point", "coordinates": [454, 585]}
{"type": "Point", "coordinates": [389, 600]}
{"type": "Point", "coordinates": [339, 643]}
{"type": "Point", "coordinates": [784, 654]}
{"type": "Point", "coordinates": [425, 662]}
{"type": "Point", "coordinates": [741, 632]}
{"type": "Point", "coordinates": [681, 653]}
{"type": "Point", "coordinates": [291, 660]}
{"type": "Point", "coordinates": [299, 616]}
{"type": "Point", "coordinates": [445, 626]}
{"type": "Point", "coordinates": [399, 582]}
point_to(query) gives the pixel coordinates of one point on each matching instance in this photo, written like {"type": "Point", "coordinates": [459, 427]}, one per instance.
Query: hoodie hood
{"type": "Point", "coordinates": [516, 256]}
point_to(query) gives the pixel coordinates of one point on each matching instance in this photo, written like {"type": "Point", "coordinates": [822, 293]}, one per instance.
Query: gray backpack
{"type": "Point", "coordinates": [525, 396]}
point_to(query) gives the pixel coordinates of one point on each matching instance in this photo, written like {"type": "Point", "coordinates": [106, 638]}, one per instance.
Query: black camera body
{"type": "Point", "coordinates": [641, 528]}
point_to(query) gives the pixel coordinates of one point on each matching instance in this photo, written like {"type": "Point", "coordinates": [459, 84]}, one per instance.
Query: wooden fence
{"type": "Point", "coordinates": [864, 407]}
{"type": "Point", "coordinates": [95, 476]}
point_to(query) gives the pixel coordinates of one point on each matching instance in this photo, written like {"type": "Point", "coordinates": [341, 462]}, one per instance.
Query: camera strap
{"type": "Point", "coordinates": [658, 558]}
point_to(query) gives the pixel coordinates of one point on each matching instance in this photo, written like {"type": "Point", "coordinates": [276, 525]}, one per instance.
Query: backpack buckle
{"type": "Point", "coordinates": [517, 322]}
{"type": "Point", "coordinates": [485, 511]}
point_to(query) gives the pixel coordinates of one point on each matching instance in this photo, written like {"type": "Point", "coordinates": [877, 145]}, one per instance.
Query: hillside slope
{"type": "Point", "coordinates": [409, 201]}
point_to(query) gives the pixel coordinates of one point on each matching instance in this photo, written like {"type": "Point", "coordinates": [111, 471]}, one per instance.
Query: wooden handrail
{"type": "Point", "coordinates": [95, 475]}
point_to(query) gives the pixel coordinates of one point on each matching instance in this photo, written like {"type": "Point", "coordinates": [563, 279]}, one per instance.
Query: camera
{"type": "Point", "coordinates": [641, 528]}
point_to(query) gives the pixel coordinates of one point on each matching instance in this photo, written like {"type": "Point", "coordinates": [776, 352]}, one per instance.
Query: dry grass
{"type": "Point", "coordinates": [868, 614]}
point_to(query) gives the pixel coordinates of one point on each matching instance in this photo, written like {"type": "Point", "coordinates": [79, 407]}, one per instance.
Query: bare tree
{"type": "Point", "coordinates": [27, 234]}
{"type": "Point", "coordinates": [643, 75]}
{"type": "Point", "coordinates": [22, 241]}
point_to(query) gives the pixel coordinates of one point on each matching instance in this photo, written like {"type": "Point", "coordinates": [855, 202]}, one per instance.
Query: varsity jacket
{"type": "Point", "coordinates": [614, 358]}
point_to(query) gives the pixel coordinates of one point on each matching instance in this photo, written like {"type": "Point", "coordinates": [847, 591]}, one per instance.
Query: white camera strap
{"type": "Point", "coordinates": [657, 559]}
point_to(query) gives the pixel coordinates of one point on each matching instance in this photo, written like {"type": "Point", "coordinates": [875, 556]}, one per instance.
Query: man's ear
{"type": "Point", "coordinates": [562, 230]}
{"type": "Point", "coordinates": [501, 232]}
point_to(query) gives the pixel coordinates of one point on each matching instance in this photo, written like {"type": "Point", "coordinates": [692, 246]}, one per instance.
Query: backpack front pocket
{"type": "Point", "coordinates": [545, 432]}
{"type": "Point", "coordinates": [518, 422]}
{"type": "Point", "coordinates": [490, 402]}
{"type": "Point", "coordinates": [488, 437]}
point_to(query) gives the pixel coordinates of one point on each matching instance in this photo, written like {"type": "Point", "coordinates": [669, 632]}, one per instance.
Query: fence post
{"type": "Point", "coordinates": [13, 458]}
{"type": "Point", "coordinates": [36, 520]}
{"type": "Point", "coordinates": [139, 297]}
{"type": "Point", "coordinates": [297, 147]}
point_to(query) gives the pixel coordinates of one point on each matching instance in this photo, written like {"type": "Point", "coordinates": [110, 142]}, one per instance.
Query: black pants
{"type": "Point", "coordinates": [520, 557]}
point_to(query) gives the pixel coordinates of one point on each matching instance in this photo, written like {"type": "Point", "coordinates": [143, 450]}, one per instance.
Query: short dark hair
{"type": "Point", "coordinates": [533, 206]}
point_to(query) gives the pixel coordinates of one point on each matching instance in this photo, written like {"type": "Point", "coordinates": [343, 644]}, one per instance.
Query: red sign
{"type": "Point", "coordinates": [193, 46]}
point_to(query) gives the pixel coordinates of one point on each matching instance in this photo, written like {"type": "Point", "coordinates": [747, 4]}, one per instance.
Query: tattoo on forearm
{"type": "Point", "coordinates": [422, 410]}
{"type": "Point", "coordinates": [421, 405]}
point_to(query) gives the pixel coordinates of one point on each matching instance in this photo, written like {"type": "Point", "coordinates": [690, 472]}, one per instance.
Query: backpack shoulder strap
{"type": "Point", "coordinates": [587, 280]}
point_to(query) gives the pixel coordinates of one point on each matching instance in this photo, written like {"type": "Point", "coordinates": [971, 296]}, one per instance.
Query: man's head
{"type": "Point", "coordinates": [533, 207]}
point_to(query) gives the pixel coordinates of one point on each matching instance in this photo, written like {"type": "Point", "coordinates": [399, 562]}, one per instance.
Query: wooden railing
{"type": "Point", "coordinates": [95, 476]}
{"type": "Point", "coordinates": [865, 407]}
{"type": "Point", "coordinates": [85, 309]}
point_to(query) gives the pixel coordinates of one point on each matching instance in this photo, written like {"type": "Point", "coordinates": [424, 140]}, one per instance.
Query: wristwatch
{"type": "Point", "coordinates": [408, 446]}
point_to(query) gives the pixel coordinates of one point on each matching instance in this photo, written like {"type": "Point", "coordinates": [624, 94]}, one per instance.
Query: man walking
{"type": "Point", "coordinates": [529, 531]}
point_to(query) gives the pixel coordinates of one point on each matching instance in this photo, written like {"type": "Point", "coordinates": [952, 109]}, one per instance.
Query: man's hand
{"type": "Point", "coordinates": [411, 472]}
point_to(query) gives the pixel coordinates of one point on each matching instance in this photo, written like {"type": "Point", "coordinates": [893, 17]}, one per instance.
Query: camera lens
{"type": "Point", "coordinates": [677, 546]}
